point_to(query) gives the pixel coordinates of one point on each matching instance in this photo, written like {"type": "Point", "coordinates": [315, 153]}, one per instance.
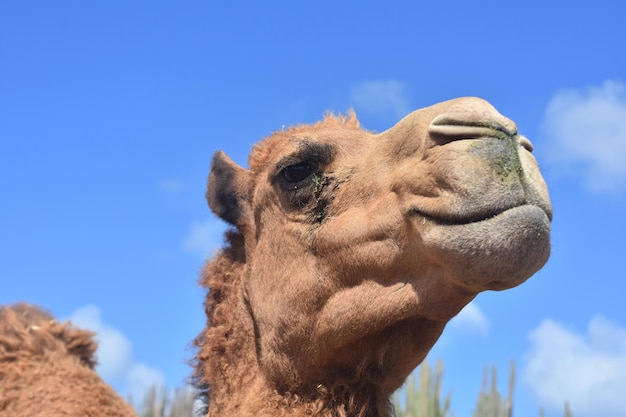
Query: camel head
{"type": "Point", "coordinates": [360, 247]}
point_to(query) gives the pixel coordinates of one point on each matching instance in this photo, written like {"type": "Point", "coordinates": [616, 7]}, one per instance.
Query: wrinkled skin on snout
{"type": "Point", "coordinates": [360, 246]}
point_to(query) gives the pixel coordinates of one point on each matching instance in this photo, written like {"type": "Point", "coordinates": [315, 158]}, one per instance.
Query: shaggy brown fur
{"type": "Point", "coordinates": [46, 369]}
{"type": "Point", "coordinates": [352, 250]}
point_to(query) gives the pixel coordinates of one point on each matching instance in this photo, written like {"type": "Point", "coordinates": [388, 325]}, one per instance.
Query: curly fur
{"type": "Point", "coordinates": [47, 368]}
{"type": "Point", "coordinates": [226, 358]}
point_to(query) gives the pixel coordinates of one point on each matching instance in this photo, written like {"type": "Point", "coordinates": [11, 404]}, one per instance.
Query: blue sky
{"type": "Point", "coordinates": [110, 113]}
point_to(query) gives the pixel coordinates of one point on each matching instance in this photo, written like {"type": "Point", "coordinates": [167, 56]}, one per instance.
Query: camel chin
{"type": "Point", "coordinates": [497, 253]}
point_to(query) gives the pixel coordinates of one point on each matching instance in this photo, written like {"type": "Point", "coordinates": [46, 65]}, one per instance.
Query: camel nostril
{"type": "Point", "coordinates": [525, 143]}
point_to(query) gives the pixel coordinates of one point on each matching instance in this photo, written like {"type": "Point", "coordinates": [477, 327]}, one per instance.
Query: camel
{"type": "Point", "coordinates": [47, 369]}
{"type": "Point", "coordinates": [349, 252]}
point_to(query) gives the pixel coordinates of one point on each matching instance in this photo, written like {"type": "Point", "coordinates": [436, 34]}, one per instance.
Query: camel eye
{"type": "Point", "coordinates": [297, 172]}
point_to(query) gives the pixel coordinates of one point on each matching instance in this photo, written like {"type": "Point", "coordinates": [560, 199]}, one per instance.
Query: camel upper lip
{"type": "Point", "coordinates": [451, 219]}
{"type": "Point", "coordinates": [479, 121]}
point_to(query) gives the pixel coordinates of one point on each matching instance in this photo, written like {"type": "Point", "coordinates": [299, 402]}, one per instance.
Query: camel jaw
{"type": "Point", "coordinates": [494, 253]}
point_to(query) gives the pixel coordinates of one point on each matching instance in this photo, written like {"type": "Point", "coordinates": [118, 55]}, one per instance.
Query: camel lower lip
{"type": "Point", "coordinates": [478, 217]}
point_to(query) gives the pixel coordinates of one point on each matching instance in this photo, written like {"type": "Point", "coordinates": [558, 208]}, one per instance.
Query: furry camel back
{"type": "Point", "coordinates": [47, 368]}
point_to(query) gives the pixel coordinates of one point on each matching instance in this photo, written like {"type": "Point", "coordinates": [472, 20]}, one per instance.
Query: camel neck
{"type": "Point", "coordinates": [227, 363]}
{"type": "Point", "coordinates": [258, 399]}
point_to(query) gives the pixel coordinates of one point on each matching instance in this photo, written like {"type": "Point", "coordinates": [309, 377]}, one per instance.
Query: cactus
{"type": "Point", "coordinates": [425, 400]}
{"type": "Point", "coordinates": [568, 412]}
{"type": "Point", "coordinates": [162, 402]}
{"type": "Point", "coordinates": [490, 402]}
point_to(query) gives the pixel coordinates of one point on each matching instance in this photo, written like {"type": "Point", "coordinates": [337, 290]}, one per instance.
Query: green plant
{"type": "Point", "coordinates": [423, 400]}
{"type": "Point", "coordinates": [162, 402]}
{"type": "Point", "coordinates": [490, 402]}
{"type": "Point", "coordinates": [568, 412]}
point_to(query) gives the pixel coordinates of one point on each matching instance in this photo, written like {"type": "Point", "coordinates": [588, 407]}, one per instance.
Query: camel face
{"type": "Point", "coordinates": [359, 247]}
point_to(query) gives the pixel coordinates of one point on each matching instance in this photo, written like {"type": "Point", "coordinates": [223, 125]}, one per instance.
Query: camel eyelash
{"type": "Point", "coordinates": [317, 155]}
{"type": "Point", "coordinates": [303, 168]}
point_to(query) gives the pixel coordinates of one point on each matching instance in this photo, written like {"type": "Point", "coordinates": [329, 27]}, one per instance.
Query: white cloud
{"type": "Point", "coordinates": [171, 185]}
{"type": "Point", "coordinates": [204, 237]}
{"type": "Point", "coordinates": [114, 349]}
{"type": "Point", "coordinates": [586, 370]}
{"type": "Point", "coordinates": [115, 360]}
{"type": "Point", "coordinates": [471, 319]}
{"type": "Point", "coordinates": [140, 378]}
{"type": "Point", "coordinates": [382, 99]}
{"type": "Point", "coordinates": [586, 133]}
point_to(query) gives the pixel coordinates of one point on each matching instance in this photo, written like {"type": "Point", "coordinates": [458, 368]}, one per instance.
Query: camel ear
{"type": "Point", "coordinates": [228, 189]}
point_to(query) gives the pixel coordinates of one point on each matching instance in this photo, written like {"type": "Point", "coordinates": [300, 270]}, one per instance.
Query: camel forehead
{"type": "Point", "coordinates": [332, 130]}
